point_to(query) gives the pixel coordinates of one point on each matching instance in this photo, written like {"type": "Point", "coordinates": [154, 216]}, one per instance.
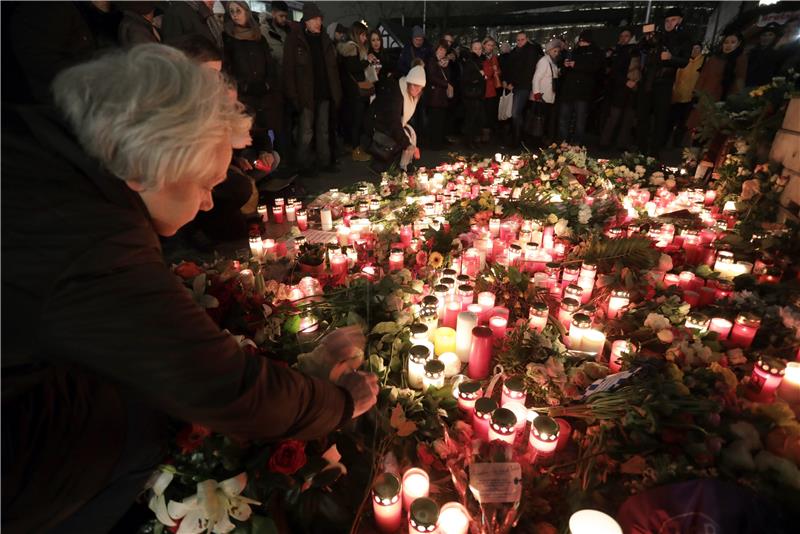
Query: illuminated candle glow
{"type": "Point", "coordinates": [465, 323]}
{"type": "Point", "coordinates": [767, 375]}
{"type": "Point", "coordinates": [326, 219]}
{"type": "Point", "coordinates": [721, 326]}
{"type": "Point", "coordinates": [418, 355]}
{"type": "Point", "coordinates": [581, 323]}
{"type": "Point", "coordinates": [302, 220]}
{"type": "Point", "coordinates": [568, 307]}
{"type": "Point", "coordinates": [387, 505]}
{"type": "Point", "coordinates": [744, 330]}
{"type": "Point", "coordinates": [619, 300]}
{"type": "Point", "coordinates": [434, 374]}
{"type": "Point", "coordinates": [537, 318]}
{"type": "Point", "coordinates": [423, 516]}
{"type": "Point", "coordinates": [503, 426]}
{"type": "Point", "coordinates": [789, 389]}
{"type": "Point", "coordinates": [396, 258]}
{"type": "Point", "coordinates": [453, 519]}
{"type": "Point", "coordinates": [593, 341]}
{"type": "Point", "coordinates": [498, 325]}
{"type": "Point", "coordinates": [619, 348]}
{"type": "Point", "coordinates": [444, 340]}
{"type": "Point", "coordinates": [416, 484]}
{"type": "Point", "coordinates": [468, 392]}
{"type": "Point", "coordinates": [544, 434]}
{"type": "Point", "coordinates": [481, 415]}
{"type": "Point", "coordinates": [513, 390]}
{"type": "Point", "coordinates": [593, 522]}
{"type": "Point", "coordinates": [452, 364]}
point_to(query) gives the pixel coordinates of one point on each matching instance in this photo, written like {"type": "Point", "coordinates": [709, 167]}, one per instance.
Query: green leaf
{"type": "Point", "coordinates": [396, 364]}
{"type": "Point", "coordinates": [376, 364]}
{"type": "Point", "coordinates": [292, 324]}
{"type": "Point", "coordinates": [386, 327]}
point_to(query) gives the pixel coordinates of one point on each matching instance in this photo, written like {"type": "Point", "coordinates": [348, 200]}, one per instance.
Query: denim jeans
{"type": "Point", "coordinates": [581, 110]}
{"type": "Point", "coordinates": [521, 97]}
{"type": "Point", "coordinates": [314, 126]}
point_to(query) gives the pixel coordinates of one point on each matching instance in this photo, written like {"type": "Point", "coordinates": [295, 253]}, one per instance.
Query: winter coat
{"type": "Point", "coordinates": [436, 83]}
{"type": "Point", "coordinates": [410, 53]}
{"type": "Point", "coordinates": [298, 69]}
{"type": "Point", "coordinates": [473, 82]}
{"type": "Point", "coordinates": [135, 29]}
{"type": "Point", "coordinates": [657, 71]}
{"type": "Point", "coordinates": [710, 81]}
{"type": "Point", "coordinates": [619, 66]}
{"type": "Point", "coordinates": [251, 65]}
{"type": "Point", "coordinates": [352, 63]}
{"type": "Point", "coordinates": [99, 320]}
{"type": "Point", "coordinates": [386, 112]}
{"type": "Point", "coordinates": [276, 38]}
{"type": "Point", "coordinates": [491, 68]}
{"type": "Point", "coordinates": [763, 64]}
{"type": "Point", "coordinates": [189, 18]}
{"type": "Point", "coordinates": [522, 65]}
{"type": "Point", "coordinates": [544, 78]}
{"type": "Point", "coordinates": [579, 81]}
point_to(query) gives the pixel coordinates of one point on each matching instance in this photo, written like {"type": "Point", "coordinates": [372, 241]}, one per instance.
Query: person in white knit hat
{"type": "Point", "coordinates": [390, 112]}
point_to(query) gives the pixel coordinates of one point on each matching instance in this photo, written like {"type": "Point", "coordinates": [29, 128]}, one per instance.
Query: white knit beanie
{"type": "Point", "coordinates": [416, 75]}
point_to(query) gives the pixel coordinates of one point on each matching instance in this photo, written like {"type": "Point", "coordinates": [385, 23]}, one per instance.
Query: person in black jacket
{"type": "Point", "coordinates": [379, 57]}
{"type": "Point", "coordinates": [191, 18]}
{"type": "Point", "coordinates": [623, 78]}
{"type": "Point", "coordinates": [663, 53]}
{"type": "Point", "coordinates": [579, 77]}
{"type": "Point", "coordinates": [356, 88]}
{"type": "Point", "coordinates": [764, 59]}
{"type": "Point", "coordinates": [473, 89]}
{"type": "Point", "coordinates": [137, 25]}
{"type": "Point", "coordinates": [522, 65]}
{"type": "Point", "coordinates": [439, 91]}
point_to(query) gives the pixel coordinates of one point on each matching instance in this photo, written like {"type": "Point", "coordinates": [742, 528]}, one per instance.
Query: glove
{"type": "Point", "coordinates": [537, 97]}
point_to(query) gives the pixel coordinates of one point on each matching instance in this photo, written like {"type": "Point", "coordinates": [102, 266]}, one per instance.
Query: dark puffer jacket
{"type": "Point", "coordinates": [298, 69]}
{"type": "Point", "coordinates": [579, 81]}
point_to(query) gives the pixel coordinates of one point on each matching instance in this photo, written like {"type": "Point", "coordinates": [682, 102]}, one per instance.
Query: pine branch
{"type": "Point", "coordinates": [635, 253]}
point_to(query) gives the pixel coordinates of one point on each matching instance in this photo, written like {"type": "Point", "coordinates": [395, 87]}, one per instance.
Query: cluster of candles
{"type": "Point", "coordinates": [392, 495]}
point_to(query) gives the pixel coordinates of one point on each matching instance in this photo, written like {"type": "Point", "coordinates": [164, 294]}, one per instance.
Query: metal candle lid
{"type": "Point", "coordinates": [419, 354]}
{"type": "Point", "coordinates": [440, 288]}
{"type": "Point", "coordinates": [570, 304]}
{"type": "Point", "coordinates": [482, 331]}
{"type": "Point", "coordinates": [386, 489]}
{"type": "Point", "coordinates": [581, 320]}
{"type": "Point", "coordinates": [620, 293]}
{"type": "Point", "coordinates": [463, 279]}
{"type": "Point", "coordinates": [573, 289]}
{"type": "Point", "coordinates": [539, 309]}
{"type": "Point", "coordinates": [465, 288]}
{"type": "Point", "coordinates": [514, 384]}
{"type": "Point", "coordinates": [698, 319]}
{"type": "Point", "coordinates": [484, 407]}
{"type": "Point", "coordinates": [419, 329]}
{"type": "Point", "coordinates": [434, 368]}
{"type": "Point", "coordinates": [424, 514]}
{"type": "Point", "coordinates": [748, 319]}
{"type": "Point", "coordinates": [545, 428]}
{"type": "Point", "coordinates": [431, 301]}
{"type": "Point", "coordinates": [773, 366]}
{"type": "Point", "coordinates": [504, 420]}
{"type": "Point", "coordinates": [469, 390]}
{"type": "Point", "coordinates": [452, 273]}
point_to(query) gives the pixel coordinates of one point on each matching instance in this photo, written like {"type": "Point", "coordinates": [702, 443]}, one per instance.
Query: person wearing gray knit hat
{"type": "Point", "coordinates": [554, 43]}
{"type": "Point", "coordinates": [311, 11]}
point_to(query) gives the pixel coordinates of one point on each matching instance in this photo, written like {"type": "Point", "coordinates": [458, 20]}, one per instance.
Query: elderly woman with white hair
{"type": "Point", "coordinates": [101, 340]}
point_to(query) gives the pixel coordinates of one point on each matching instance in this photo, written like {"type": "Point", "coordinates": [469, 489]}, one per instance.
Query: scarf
{"type": "Point", "coordinates": [251, 32]}
{"type": "Point", "coordinates": [409, 102]}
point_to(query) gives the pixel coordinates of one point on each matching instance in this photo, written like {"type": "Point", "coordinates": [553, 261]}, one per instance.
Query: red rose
{"type": "Point", "coordinates": [288, 457]}
{"type": "Point", "coordinates": [424, 454]}
{"type": "Point", "coordinates": [188, 270]}
{"type": "Point", "coordinates": [191, 437]}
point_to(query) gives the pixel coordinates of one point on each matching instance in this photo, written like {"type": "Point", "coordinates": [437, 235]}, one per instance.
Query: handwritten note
{"type": "Point", "coordinates": [496, 483]}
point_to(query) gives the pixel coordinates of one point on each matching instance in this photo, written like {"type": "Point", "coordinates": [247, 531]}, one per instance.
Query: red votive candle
{"type": "Point", "coordinates": [499, 325]}
{"type": "Point", "coordinates": [480, 354]}
{"type": "Point", "coordinates": [692, 298]}
{"type": "Point", "coordinates": [481, 416]}
{"type": "Point", "coordinates": [745, 329]}
{"type": "Point", "coordinates": [671, 279]}
{"type": "Point", "coordinates": [767, 376]}
{"type": "Point", "coordinates": [721, 326]}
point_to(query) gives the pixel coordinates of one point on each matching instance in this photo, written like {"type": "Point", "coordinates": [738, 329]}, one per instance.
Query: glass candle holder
{"type": "Point", "coordinates": [789, 388]}
{"type": "Point", "coordinates": [619, 299]}
{"type": "Point", "coordinates": [513, 390]}
{"type": "Point", "coordinates": [503, 426]}
{"type": "Point", "coordinates": [593, 522]}
{"type": "Point", "coordinates": [418, 355]}
{"type": "Point", "coordinates": [423, 516]}
{"type": "Point", "coordinates": [465, 322]}
{"type": "Point", "coordinates": [619, 348]}
{"type": "Point", "coordinates": [396, 259]}
{"type": "Point", "coordinates": [544, 434]}
{"type": "Point", "coordinates": [567, 309]}
{"type": "Point", "coordinates": [480, 355]}
{"type": "Point", "coordinates": [499, 325]}
{"type": "Point", "coordinates": [453, 519]}
{"type": "Point", "coordinates": [721, 326]}
{"type": "Point", "coordinates": [466, 295]}
{"type": "Point", "coordinates": [581, 323]}
{"type": "Point", "coordinates": [416, 484]}
{"type": "Point", "coordinates": [387, 505]}
{"type": "Point", "coordinates": [481, 416]}
{"type": "Point", "coordinates": [593, 341]}
{"type": "Point", "coordinates": [573, 291]}
{"type": "Point", "coordinates": [767, 375]}
{"type": "Point", "coordinates": [469, 391]}
{"type": "Point", "coordinates": [263, 212]}
{"type": "Point", "coordinates": [697, 322]}
{"type": "Point", "coordinates": [744, 330]}
{"type": "Point", "coordinates": [434, 374]}
{"type": "Point", "coordinates": [537, 316]}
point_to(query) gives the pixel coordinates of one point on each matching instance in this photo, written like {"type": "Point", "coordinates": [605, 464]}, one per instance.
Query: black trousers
{"type": "Point", "coordinates": [436, 128]}
{"type": "Point", "coordinates": [652, 115]}
{"type": "Point", "coordinates": [145, 446]}
{"type": "Point", "coordinates": [473, 118]}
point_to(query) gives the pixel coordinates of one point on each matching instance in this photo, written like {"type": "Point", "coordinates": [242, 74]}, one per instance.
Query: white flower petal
{"type": "Point", "coordinates": [158, 505]}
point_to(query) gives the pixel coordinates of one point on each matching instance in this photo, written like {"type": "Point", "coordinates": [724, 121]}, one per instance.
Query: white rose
{"type": "Point", "coordinates": [656, 321]}
{"type": "Point", "coordinates": [560, 227]}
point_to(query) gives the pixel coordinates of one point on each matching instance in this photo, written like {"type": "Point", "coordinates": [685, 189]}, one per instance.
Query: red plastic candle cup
{"type": "Point", "coordinates": [544, 435]}
{"type": "Point", "coordinates": [481, 416]}
{"type": "Point", "coordinates": [619, 348]}
{"type": "Point", "coordinates": [396, 260]}
{"type": "Point", "coordinates": [387, 504]}
{"type": "Point", "coordinates": [723, 290]}
{"type": "Point", "coordinates": [277, 214]}
{"type": "Point", "coordinates": [406, 234]}
{"type": "Point", "coordinates": [513, 390]}
{"type": "Point", "coordinates": [707, 295]}
{"type": "Point", "coordinates": [537, 318]}
{"type": "Point", "coordinates": [452, 307]}
{"type": "Point", "coordinates": [480, 354]}
{"type": "Point", "coordinates": [767, 376]}
{"type": "Point", "coordinates": [744, 330]}
{"type": "Point", "coordinates": [721, 326]}
{"type": "Point", "coordinates": [619, 300]}
{"type": "Point", "coordinates": [498, 325]}
{"type": "Point", "coordinates": [692, 298]}
{"type": "Point", "coordinates": [469, 392]}
{"type": "Point", "coordinates": [671, 279]}
{"type": "Point", "coordinates": [686, 279]}
{"type": "Point", "coordinates": [503, 426]}
{"type": "Point", "coordinates": [302, 220]}
{"type": "Point", "coordinates": [564, 433]}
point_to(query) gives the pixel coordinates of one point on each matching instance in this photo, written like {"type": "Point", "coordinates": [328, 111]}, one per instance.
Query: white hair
{"type": "Point", "coordinates": [151, 114]}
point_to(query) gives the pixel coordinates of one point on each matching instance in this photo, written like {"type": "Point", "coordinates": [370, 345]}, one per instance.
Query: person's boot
{"type": "Point", "coordinates": [359, 154]}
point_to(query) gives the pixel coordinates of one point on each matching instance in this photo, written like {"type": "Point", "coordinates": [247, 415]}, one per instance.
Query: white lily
{"type": "Point", "coordinates": [210, 508]}
{"type": "Point", "coordinates": [158, 483]}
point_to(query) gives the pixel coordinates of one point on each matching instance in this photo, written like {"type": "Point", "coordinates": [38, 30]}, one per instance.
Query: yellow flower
{"type": "Point", "coordinates": [435, 260]}
{"type": "Point", "coordinates": [552, 218]}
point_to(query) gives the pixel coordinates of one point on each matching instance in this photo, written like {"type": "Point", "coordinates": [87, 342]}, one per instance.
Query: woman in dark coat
{"type": "Point", "coordinates": [247, 59]}
{"type": "Point", "coordinates": [439, 92]}
{"type": "Point", "coordinates": [473, 88]}
{"type": "Point", "coordinates": [353, 64]}
{"type": "Point", "coordinates": [105, 341]}
{"type": "Point", "coordinates": [379, 57]}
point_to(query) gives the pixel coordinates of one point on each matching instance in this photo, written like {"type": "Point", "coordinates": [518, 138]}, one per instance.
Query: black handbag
{"type": "Point", "coordinates": [383, 147]}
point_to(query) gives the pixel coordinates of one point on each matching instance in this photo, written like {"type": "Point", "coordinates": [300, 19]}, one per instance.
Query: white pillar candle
{"type": "Point", "coordinates": [416, 484]}
{"type": "Point", "coordinates": [789, 389]}
{"type": "Point", "coordinates": [451, 361]}
{"type": "Point", "coordinates": [453, 519]}
{"type": "Point", "coordinates": [326, 219]}
{"type": "Point", "coordinates": [464, 324]}
{"type": "Point", "coordinates": [593, 522]}
{"type": "Point", "coordinates": [581, 323]}
{"type": "Point", "coordinates": [721, 326]}
{"type": "Point", "coordinates": [593, 341]}
{"type": "Point", "coordinates": [290, 213]}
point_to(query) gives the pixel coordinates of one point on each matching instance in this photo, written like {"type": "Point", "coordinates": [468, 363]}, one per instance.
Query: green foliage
{"type": "Point", "coordinates": [635, 253]}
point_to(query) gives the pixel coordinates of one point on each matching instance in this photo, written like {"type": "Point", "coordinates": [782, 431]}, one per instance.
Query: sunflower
{"type": "Point", "coordinates": [435, 260]}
